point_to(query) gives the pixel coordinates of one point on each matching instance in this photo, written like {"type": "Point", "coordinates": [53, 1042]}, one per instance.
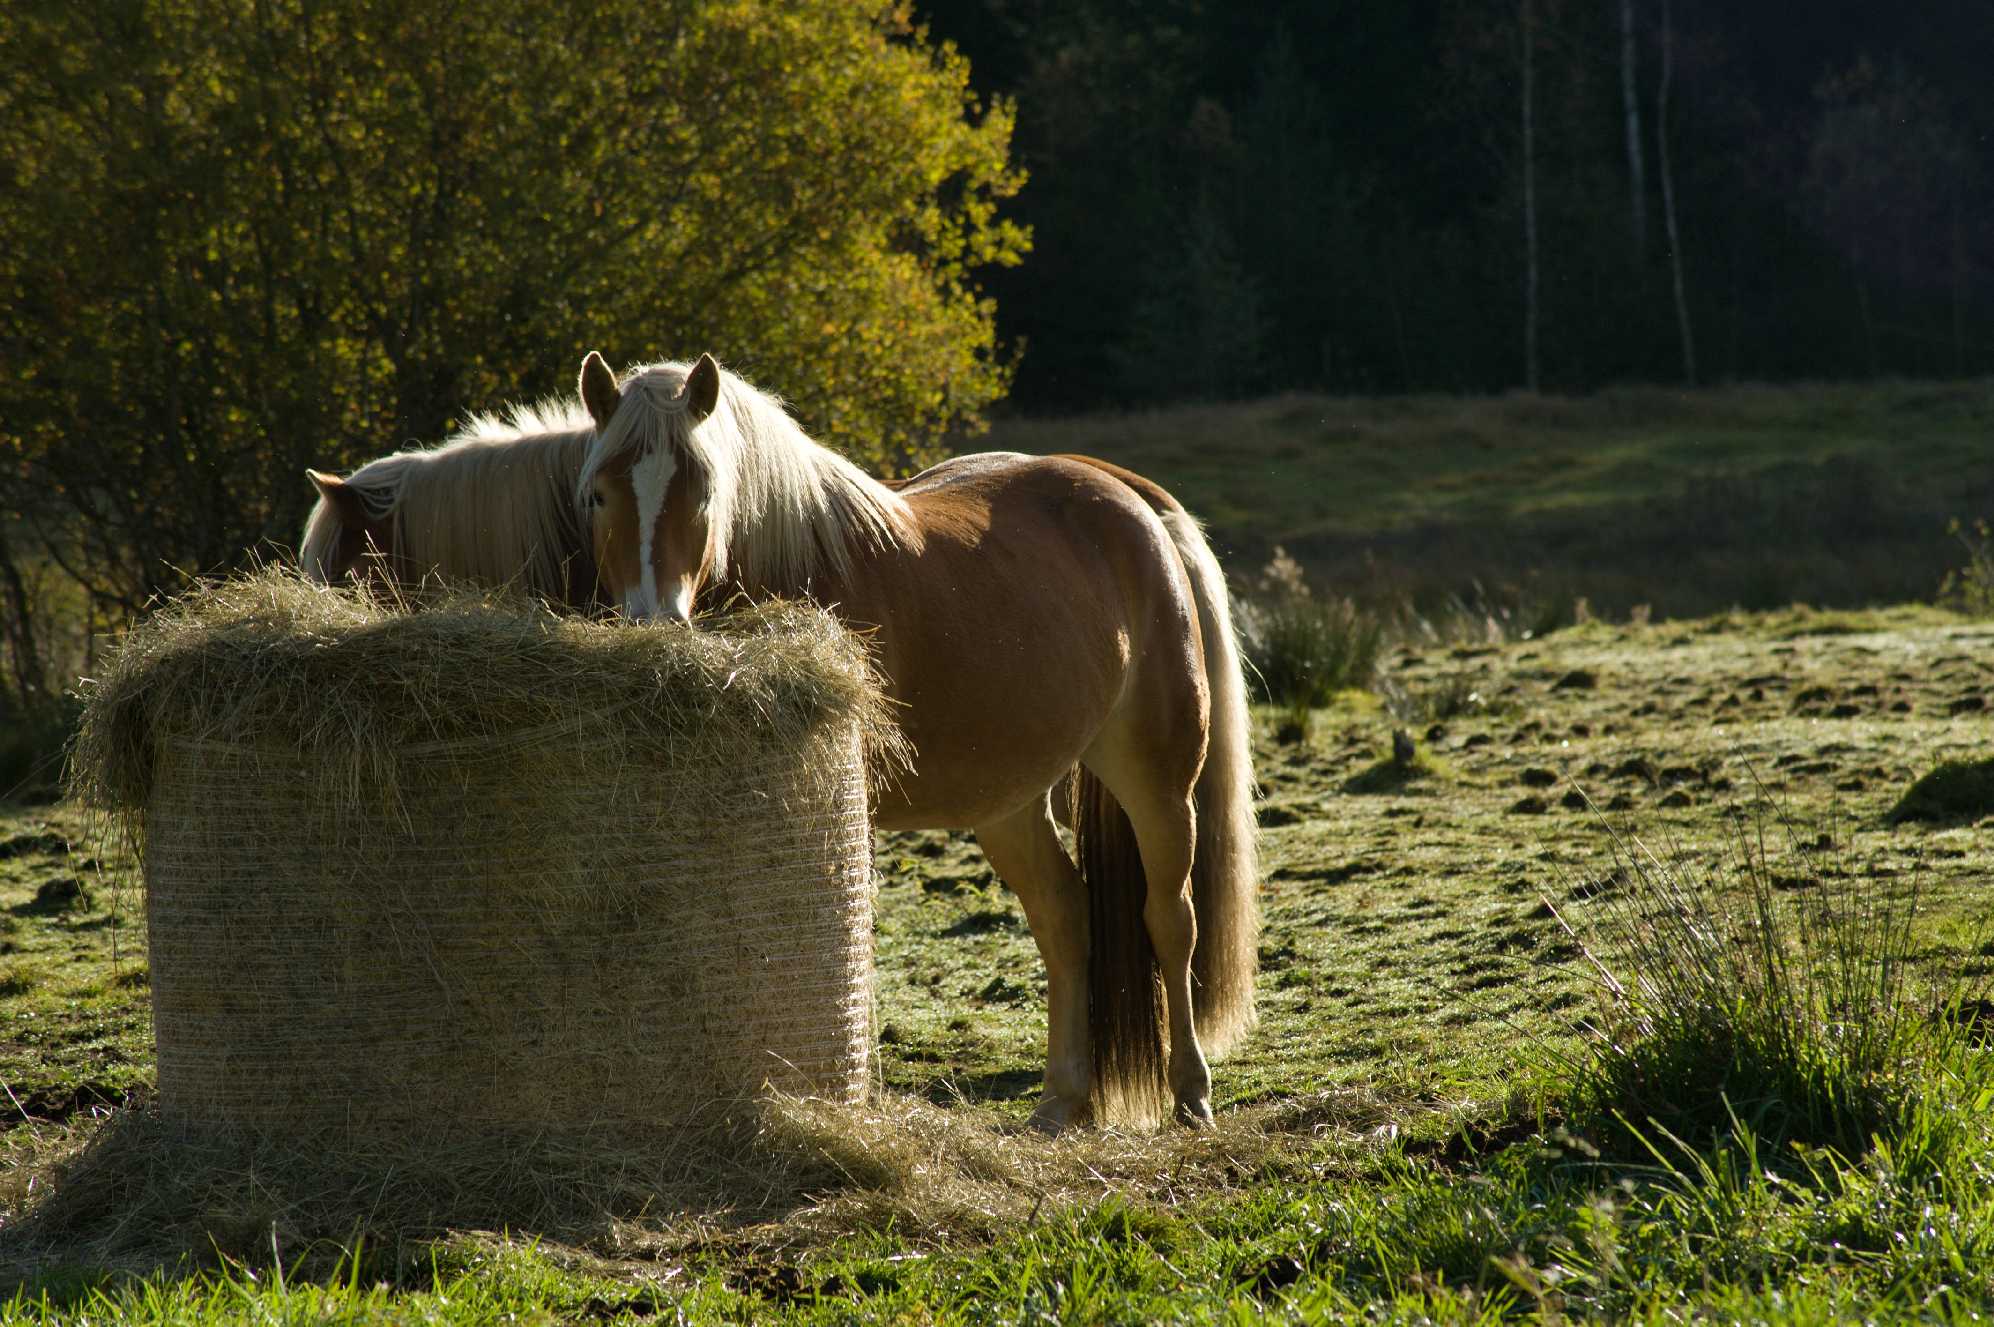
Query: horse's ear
{"type": "Point", "coordinates": [339, 495]}
{"type": "Point", "coordinates": [598, 389]}
{"type": "Point", "coordinates": [702, 388]}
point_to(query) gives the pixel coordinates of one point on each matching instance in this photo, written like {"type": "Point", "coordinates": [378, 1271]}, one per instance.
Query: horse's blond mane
{"type": "Point", "coordinates": [783, 510]}
{"type": "Point", "coordinates": [491, 504]}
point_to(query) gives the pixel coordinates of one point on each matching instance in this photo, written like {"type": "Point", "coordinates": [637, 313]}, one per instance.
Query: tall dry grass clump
{"type": "Point", "coordinates": [1777, 999]}
{"type": "Point", "coordinates": [1969, 587]}
{"type": "Point", "coordinates": [1305, 649]}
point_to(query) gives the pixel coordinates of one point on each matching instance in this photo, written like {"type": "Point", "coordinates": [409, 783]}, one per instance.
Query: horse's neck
{"type": "Point", "coordinates": [838, 547]}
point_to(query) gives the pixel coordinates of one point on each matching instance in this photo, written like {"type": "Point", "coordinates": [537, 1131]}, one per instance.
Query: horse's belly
{"type": "Point", "coordinates": [1042, 588]}
{"type": "Point", "coordinates": [977, 773]}
{"type": "Point", "coordinates": [989, 743]}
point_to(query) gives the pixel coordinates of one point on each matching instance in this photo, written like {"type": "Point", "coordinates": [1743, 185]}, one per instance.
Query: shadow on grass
{"type": "Point", "coordinates": [1391, 775]}
{"type": "Point", "coordinates": [1956, 792]}
{"type": "Point", "coordinates": [997, 1085]}
{"type": "Point", "coordinates": [138, 1195]}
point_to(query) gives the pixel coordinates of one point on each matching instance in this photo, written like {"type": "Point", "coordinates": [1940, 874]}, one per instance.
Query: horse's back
{"type": "Point", "coordinates": [1064, 521]}
{"type": "Point", "coordinates": [1036, 497]}
{"type": "Point", "coordinates": [1158, 497]}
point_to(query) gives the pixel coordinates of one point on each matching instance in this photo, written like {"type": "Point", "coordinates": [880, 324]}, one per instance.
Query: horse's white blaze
{"type": "Point", "coordinates": [650, 477]}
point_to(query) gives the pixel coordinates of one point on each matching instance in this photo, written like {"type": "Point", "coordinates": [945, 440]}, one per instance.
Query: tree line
{"type": "Point", "coordinates": [1476, 195]}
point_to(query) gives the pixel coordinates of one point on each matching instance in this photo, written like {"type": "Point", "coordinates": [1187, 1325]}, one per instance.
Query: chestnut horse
{"type": "Point", "coordinates": [493, 505]}
{"type": "Point", "coordinates": [1028, 614]}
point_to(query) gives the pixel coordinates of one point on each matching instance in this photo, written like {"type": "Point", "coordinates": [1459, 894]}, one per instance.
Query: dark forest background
{"type": "Point", "coordinates": [1231, 199]}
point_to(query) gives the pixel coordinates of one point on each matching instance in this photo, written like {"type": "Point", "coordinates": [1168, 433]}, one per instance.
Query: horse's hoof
{"type": "Point", "coordinates": [1195, 1114]}
{"type": "Point", "coordinates": [1053, 1118]}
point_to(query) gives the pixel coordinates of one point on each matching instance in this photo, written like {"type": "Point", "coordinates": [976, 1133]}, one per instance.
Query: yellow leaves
{"type": "Point", "coordinates": [432, 214]}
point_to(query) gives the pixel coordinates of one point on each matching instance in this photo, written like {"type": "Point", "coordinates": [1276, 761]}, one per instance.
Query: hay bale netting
{"type": "Point", "coordinates": [479, 865]}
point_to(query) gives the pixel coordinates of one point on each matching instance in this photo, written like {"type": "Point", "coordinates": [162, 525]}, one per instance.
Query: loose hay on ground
{"type": "Point", "coordinates": [140, 1192]}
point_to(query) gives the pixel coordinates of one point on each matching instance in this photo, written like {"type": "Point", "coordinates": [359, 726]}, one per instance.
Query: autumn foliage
{"type": "Point", "coordinates": [239, 238]}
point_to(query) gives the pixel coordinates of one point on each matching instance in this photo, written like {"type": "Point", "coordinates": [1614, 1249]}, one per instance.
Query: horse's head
{"type": "Point", "coordinates": [647, 502]}
{"type": "Point", "coordinates": [343, 537]}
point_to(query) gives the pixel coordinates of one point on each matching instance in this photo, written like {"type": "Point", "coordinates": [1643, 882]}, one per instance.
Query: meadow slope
{"type": "Point", "coordinates": [1692, 502]}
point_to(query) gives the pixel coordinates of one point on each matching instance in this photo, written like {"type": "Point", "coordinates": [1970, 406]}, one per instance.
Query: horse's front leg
{"type": "Point", "coordinates": [1025, 852]}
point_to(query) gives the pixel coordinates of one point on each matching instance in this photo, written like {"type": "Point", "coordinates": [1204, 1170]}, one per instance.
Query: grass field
{"type": "Point", "coordinates": [1415, 991]}
{"type": "Point", "coordinates": [1406, 1135]}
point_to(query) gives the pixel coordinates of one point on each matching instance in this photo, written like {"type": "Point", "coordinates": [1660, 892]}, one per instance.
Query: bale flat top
{"type": "Point", "coordinates": [362, 689]}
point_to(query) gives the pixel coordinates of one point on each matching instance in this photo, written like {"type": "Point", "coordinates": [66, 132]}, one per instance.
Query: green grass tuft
{"type": "Point", "coordinates": [1735, 996]}
{"type": "Point", "coordinates": [1392, 775]}
{"type": "Point", "coordinates": [1303, 650]}
{"type": "Point", "coordinates": [1969, 589]}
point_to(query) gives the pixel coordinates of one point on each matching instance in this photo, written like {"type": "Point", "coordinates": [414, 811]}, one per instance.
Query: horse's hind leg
{"type": "Point", "coordinates": [1153, 783]}
{"type": "Point", "coordinates": [1166, 835]}
{"type": "Point", "coordinates": [1025, 852]}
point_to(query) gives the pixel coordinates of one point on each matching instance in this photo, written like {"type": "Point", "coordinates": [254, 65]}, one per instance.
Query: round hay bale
{"type": "Point", "coordinates": [476, 865]}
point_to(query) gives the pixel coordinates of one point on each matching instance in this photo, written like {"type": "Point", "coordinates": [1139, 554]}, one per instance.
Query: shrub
{"type": "Point", "coordinates": [1951, 792]}
{"type": "Point", "coordinates": [1304, 649]}
{"type": "Point", "coordinates": [1970, 589]}
{"type": "Point", "coordinates": [333, 229]}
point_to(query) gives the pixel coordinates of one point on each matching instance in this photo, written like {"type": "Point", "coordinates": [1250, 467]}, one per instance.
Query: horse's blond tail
{"type": "Point", "coordinates": [1125, 1008]}
{"type": "Point", "coordinates": [1125, 1013]}
{"type": "Point", "coordinates": [1225, 872]}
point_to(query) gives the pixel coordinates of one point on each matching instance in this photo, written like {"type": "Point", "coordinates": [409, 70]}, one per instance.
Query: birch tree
{"type": "Point", "coordinates": [1669, 199]}
{"type": "Point", "coordinates": [1637, 184]}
